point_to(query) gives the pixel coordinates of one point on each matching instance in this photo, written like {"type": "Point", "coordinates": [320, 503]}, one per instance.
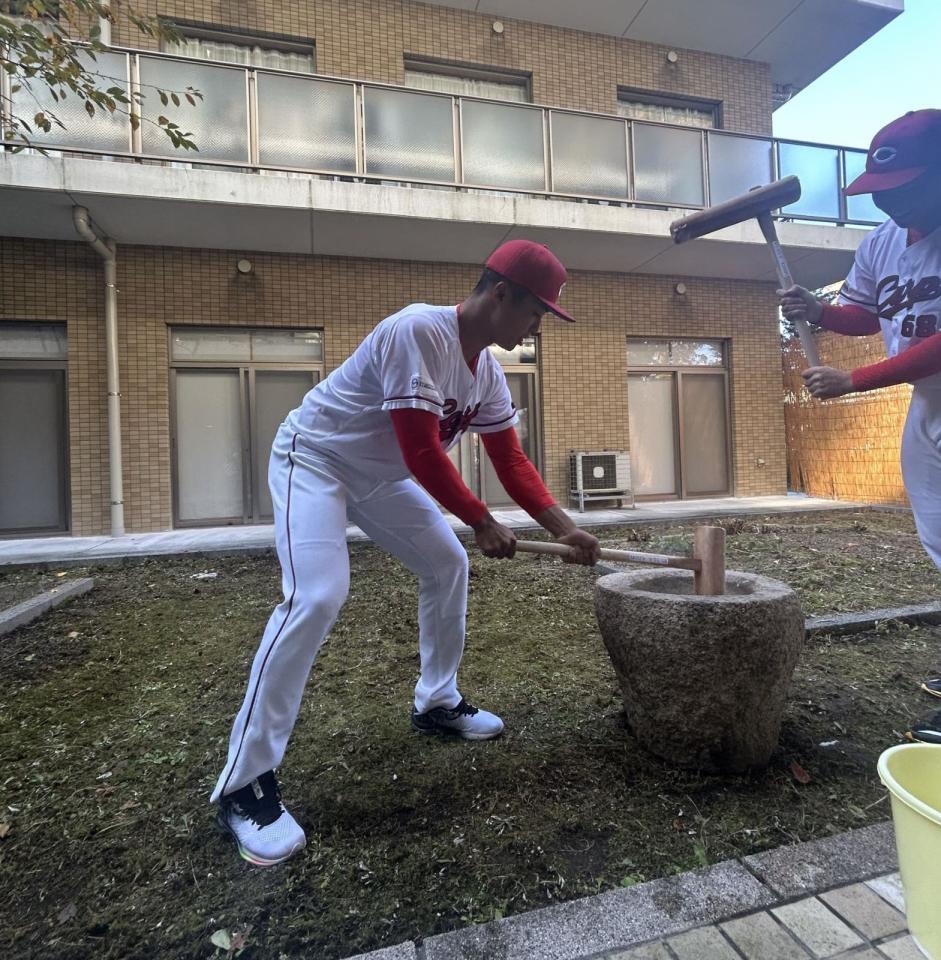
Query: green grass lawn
{"type": "Point", "coordinates": [115, 712]}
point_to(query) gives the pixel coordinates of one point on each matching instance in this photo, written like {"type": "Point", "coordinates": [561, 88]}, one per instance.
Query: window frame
{"type": "Point", "coordinates": [470, 71]}
{"type": "Point", "coordinates": [219, 33]}
{"type": "Point", "coordinates": [678, 101]}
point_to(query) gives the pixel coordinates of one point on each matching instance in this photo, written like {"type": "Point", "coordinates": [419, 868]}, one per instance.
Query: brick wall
{"type": "Point", "coordinates": [368, 40]}
{"type": "Point", "coordinates": [583, 373]}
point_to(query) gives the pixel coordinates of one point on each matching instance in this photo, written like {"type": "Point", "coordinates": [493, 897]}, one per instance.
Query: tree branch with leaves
{"type": "Point", "coordinates": [49, 50]}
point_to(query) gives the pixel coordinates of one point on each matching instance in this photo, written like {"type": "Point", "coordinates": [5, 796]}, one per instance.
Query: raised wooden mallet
{"type": "Point", "coordinates": [707, 561]}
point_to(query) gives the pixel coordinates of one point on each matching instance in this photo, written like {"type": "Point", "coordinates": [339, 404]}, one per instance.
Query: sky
{"type": "Point", "coordinates": [896, 70]}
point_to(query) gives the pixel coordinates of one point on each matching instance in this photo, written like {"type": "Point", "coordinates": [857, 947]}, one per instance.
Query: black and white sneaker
{"type": "Point", "coordinates": [932, 686]}
{"type": "Point", "coordinates": [264, 831]}
{"type": "Point", "coordinates": [463, 720]}
{"type": "Point", "coordinates": [926, 731]}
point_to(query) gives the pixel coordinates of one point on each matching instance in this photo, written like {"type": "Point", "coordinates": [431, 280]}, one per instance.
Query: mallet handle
{"type": "Point", "coordinates": [621, 556]}
{"type": "Point", "coordinates": [786, 280]}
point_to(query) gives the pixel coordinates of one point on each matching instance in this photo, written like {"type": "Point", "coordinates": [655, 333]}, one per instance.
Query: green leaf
{"type": "Point", "coordinates": [89, 108]}
{"type": "Point", "coordinates": [164, 99]}
{"type": "Point", "coordinates": [175, 99]}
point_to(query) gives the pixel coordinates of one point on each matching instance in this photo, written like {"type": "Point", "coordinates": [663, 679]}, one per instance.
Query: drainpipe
{"type": "Point", "coordinates": [106, 250]}
{"type": "Point", "coordinates": [105, 24]}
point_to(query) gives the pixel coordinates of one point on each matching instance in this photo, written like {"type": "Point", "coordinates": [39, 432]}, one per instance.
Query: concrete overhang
{"type": "Point", "coordinates": [162, 206]}
{"type": "Point", "coordinates": [800, 39]}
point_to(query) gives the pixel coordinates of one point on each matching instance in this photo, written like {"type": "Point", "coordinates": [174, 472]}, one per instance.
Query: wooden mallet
{"type": "Point", "coordinates": [707, 561]}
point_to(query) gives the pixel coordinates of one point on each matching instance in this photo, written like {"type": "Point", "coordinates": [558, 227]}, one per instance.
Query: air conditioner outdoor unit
{"type": "Point", "coordinates": [600, 475]}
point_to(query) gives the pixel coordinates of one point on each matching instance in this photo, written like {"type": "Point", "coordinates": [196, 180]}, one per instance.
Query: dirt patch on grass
{"type": "Point", "coordinates": [112, 740]}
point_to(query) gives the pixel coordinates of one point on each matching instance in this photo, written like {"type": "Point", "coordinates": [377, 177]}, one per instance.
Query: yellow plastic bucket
{"type": "Point", "coordinates": [912, 773]}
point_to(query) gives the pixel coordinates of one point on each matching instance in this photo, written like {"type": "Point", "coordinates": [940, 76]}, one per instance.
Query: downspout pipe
{"type": "Point", "coordinates": [105, 25]}
{"type": "Point", "coordinates": [105, 248]}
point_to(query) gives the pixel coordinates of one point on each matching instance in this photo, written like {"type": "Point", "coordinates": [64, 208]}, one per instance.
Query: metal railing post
{"type": "Point", "coordinates": [252, 92]}
{"type": "Point", "coordinates": [137, 133]}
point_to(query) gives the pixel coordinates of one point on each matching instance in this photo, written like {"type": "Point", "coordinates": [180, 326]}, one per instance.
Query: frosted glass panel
{"type": "Point", "coordinates": [667, 165]}
{"type": "Point", "coordinates": [736, 164]}
{"type": "Point", "coordinates": [522, 390]}
{"type": "Point", "coordinates": [503, 145]}
{"type": "Point", "coordinates": [32, 437]}
{"type": "Point", "coordinates": [651, 419]}
{"type": "Point", "coordinates": [33, 341]}
{"type": "Point", "coordinates": [103, 131]}
{"type": "Point", "coordinates": [218, 122]}
{"type": "Point", "coordinates": [696, 353]}
{"type": "Point", "coordinates": [675, 353]}
{"type": "Point", "coordinates": [409, 135]}
{"type": "Point", "coordinates": [705, 432]}
{"type": "Point", "coordinates": [301, 346]}
{"type": "Point", "coordinates": [208, 445]}
{"type": "Point", "coordinates": [859, 207]}
{"type": "Point", "coordinates": [818, 172]}
{"type": "Point", "coordinates": [277, 393]}
{"type": "Point", "coordinates": [589, 155]}
{"type": "Point", "coordinates": [306, 123]}
{"type": "Point", "coordinates": [211, 344]}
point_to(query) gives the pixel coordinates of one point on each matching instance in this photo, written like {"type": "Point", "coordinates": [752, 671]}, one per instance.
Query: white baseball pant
{"type": "Point", "coordinates": [921, 466]}
{"type": "Point", "coordinates": [312, 498]}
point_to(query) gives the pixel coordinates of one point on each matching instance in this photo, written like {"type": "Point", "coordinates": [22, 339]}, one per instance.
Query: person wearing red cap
{"type": "Point", "coordinates": [894, 287]}
{"type": "Point", "coordinates": [417, 382]}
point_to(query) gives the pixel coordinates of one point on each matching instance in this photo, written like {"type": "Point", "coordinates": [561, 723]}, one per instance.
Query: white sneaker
{"type": "Point", "coordinates": [264, 831]}
{"type": "Point", "coordinates": [463, 720]}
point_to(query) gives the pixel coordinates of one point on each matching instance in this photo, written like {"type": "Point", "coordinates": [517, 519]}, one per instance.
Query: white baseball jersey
{"type": "Point", "coordinates": [902, 284]}
{"type": "Point", "coordinates": [412, 359]}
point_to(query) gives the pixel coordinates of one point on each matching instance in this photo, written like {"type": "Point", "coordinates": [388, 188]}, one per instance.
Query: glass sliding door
{"type": "Point", "coordinates": [705, 430]}
{"type": "Point", "coordinates": [523, 391]}
{"type": "Point", "coordinates": [34, 444]}
{"type": "Point", "coordinates": [651, 399]}
{"type": "Point", "coordinates": [231, 389]}
{"type": "Point", "coordinates": [210, 446]}
{"type": "Point", "coordinates": [678, 409]}
{"type": "Point", "coordinates": [274, 394]}
{"type": "Point", "coordinates": [33, 462]}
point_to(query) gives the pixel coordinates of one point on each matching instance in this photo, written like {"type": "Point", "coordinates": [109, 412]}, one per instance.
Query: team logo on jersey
{"type": "Point", "coordinates": [455, 421]}
{"type": "Point", "coordinates": [884, 155]}
{"type": "Point", "coordinates": [893, 294]}
{"type": "Point", "coordinates": [416, 383]}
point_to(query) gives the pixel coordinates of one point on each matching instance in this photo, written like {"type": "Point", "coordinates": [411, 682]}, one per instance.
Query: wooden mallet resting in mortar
{"type": "Point", "coordinates": [707, 561]}
{"type": "Point", "coordinates": [757, 203]}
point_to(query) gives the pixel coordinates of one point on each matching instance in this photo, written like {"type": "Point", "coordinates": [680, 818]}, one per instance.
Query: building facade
{"type": "Point", "coordinates": [358, 156]}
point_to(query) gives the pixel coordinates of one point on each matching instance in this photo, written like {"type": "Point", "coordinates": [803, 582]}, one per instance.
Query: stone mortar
{"type": "Point", "coordinates": [704, 678]}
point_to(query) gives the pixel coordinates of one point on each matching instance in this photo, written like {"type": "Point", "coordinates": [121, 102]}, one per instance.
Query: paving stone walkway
{"type": "Point", "coordinates": [865, 921]}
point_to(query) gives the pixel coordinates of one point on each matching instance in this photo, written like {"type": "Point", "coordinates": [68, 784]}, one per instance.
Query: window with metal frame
{"type": "Point", "coordinates": [685, 111]}
{"type": "Point", "coordinates": [34, 446]}
{"type": "Point", "coordinates": [222, 45]}
{"type": "Point", "coordinates": [466, 80]}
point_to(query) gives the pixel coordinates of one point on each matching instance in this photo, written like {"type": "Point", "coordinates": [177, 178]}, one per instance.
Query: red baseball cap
{"type": "Point", "coordinates": [900, 152]}
{"type": "Point", "coordinates": [534, 267]}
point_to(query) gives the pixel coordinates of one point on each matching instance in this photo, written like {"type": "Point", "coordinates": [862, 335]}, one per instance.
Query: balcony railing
{"type": "Point", "coordinates": [267, 121]}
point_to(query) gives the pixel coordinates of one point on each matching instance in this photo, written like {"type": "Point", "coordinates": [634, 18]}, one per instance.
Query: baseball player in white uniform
{"type": "Point", "coordinates": [413, 386]}
{"type": "Point", "coordinates": [894, 287]}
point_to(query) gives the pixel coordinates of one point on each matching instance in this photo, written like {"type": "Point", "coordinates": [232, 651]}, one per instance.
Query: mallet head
{"type": "Point", "coordinates": [747, 206]}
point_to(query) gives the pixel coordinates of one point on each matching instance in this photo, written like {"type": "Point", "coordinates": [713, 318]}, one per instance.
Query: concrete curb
{"type": "Point", "coordinates": [34, 608]}
{"type": "Point", "coordinates": [619, 919]}
{"type": "Point", "coordinates": [866, 619]}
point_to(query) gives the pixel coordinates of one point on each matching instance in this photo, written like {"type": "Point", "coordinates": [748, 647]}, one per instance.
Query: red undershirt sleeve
{"type": "Point", "coordinates": [850, 320]}
{"type": "Point", "coordinates": [516, 472]}
{"type": "Point", "coordinates": [906, 367]}
{"type": "Point", "coordinates": [417, 433]}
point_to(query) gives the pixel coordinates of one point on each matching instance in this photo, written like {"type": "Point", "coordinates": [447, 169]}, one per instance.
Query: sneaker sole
{"type": "Point", "coordinates": [933, 693]}
{"type": "Point", "coordinates": [444, 731]}
{"type": "Point", "coordinates": [253, 858]}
